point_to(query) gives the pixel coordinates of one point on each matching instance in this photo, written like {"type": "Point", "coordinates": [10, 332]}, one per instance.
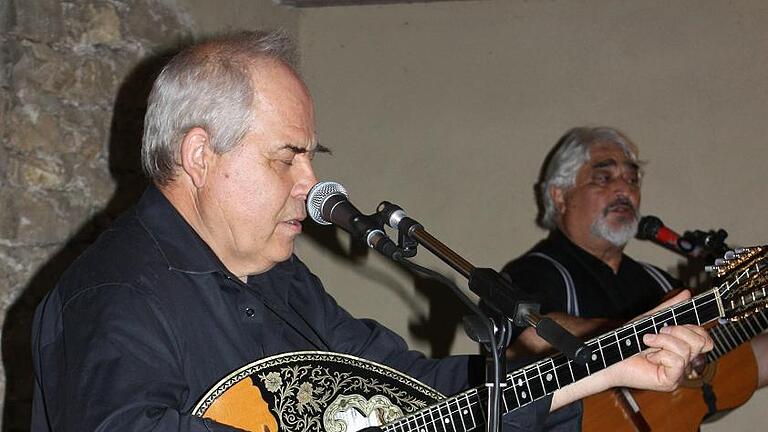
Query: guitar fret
{"type": "Point", "coordinates": [407, 422]}
{"type": "Point", "coordinates": [554, 372]}
{"type": "Point", "coordinates": [685, 315]}
{"type": "Point", "coordinates": [611, 350]}
{"type": "Point", "coordinates": [503, 399]}
{"type": "Point", "coordinates": [549, 377]}
{"type": "Point", "coordinates": [618, 344]}
{"type": "Point", "coordinates": [602, 354]}
{"type": "Point", "coordinates": [425, 422]}
{"type": "Point", "coordinates": [429, 420]}
{"type": "Point", "coordinates": [468, 410]}
{"type": "Point", "coordinates": [627, 347]}
{"type": "Point", "coordinates": [514, 390]}
{"type": "Point", "coordinates": [527, 397]}
{"type": "Point", "coordinates": [447, 418]}
{"type": "Point", "coordinates": [586, 367]}
{"type": "Point", "coordinates": [648, 327]}
{"type": "Point", "coordinates": [440, 419]}
{"type": "Point", "coordinates": [541, 380]}
{"type": "Point", "coordinates": [637, 339]}
{"type": "Point", "coordinates": [696, 312]}
{"type": "Point", "coordinates": [570, 368]}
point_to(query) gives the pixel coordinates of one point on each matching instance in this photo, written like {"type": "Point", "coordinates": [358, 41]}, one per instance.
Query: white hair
{"type": "Point", "coordinates": [208, 85]}
{"type": "Point", "coordinates": [570, 153]}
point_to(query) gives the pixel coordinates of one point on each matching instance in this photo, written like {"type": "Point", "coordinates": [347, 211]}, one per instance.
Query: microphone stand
{"type": "Point", "coordinates": [502, 296]}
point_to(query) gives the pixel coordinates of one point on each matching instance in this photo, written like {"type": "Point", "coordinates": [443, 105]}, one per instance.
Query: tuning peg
{"type": "Point", "coordinates": [711, 269]}
{"type": "Point", "coordinates": [729, 255]}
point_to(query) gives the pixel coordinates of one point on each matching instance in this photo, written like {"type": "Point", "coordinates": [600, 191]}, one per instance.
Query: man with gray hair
{"type": "Point", "coordinates": [200, 279]}
{"type": "Point", "coordinates": [590, 198]}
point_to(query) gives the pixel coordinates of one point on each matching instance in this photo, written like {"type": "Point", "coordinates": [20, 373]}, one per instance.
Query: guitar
{"type": "Point", "coordinates": [331, 392]}
{"type": "Point", "coordinates": [726, 380]}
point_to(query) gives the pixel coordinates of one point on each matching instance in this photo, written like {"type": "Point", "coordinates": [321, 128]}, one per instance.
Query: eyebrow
{"type": "Point", "coordinates": [612, 163]}
{"type": "Point", "coordinates": [318, 148]}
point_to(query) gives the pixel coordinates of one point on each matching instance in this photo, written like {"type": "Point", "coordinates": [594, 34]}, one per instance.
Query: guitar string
{"type": "Point", "coordinates": [690, 306]}
{"type": "Point", "coordinates": [754, 326]}
{"type": "Point", "coordinates": [634, 327]}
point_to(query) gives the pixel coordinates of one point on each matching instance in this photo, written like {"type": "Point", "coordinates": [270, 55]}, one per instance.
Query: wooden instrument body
{"type": "Point", "coordinates": [313, 391]}
{"type": "Point", "coordinates": [732, 379]}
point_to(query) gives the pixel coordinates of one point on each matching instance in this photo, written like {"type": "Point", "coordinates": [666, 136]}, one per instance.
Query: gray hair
{"type": "Point", "coordinates": [208, 85]}
{"type": "Point", "coordinates": [570, 153]}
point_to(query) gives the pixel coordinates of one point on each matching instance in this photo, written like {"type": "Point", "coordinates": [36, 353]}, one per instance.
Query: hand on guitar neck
{"type": "Point", "coordinates": [659, 367]}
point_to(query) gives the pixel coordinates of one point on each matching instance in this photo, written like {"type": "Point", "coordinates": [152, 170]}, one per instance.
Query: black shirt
{"type": "Point", "coordinates": [148, 319]}
{"type": "Point", "coordinates": [566, 278]}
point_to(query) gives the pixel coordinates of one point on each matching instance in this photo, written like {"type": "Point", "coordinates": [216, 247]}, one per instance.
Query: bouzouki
{"type": "Point", "coordinates": [725, 380]}
{"type": "Point", "coordinates": [328, 392]}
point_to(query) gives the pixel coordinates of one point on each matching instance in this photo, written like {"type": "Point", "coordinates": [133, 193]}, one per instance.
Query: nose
{"type": "Point", "coordinates": [305, 179]}
{"type": "Point", "coordinates": [625, 186]}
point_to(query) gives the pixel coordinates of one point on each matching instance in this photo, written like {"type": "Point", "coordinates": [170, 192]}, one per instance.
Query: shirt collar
{"type": "Point", "coordinates": [181, 246]}
{"type": "Point", "coordinates": [564, 243]}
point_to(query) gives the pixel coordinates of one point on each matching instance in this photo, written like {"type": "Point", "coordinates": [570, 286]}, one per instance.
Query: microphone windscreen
{"type": "Point", "coordinates": [648, 227]}
{"type": "Point", "coordinates": [318, 195]}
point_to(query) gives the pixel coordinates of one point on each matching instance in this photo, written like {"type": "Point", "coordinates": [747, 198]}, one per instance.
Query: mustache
{"type": "Point", "coordinates": [620, 202]}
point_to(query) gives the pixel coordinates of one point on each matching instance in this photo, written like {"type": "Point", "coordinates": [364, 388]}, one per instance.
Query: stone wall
{"type": "Point", "coordinates": [73, 83]}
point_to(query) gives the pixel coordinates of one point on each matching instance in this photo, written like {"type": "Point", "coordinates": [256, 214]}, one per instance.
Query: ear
{"type": "Point", "coordinates": [196, 155]}
{"type": "Point", "coordinates": [557, 195]}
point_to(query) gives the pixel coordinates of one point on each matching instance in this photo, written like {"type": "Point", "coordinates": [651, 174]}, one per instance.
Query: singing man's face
{"type": "Point", "coordinates": [254, 200]}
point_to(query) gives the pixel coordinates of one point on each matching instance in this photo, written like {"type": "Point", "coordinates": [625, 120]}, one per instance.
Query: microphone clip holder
{"type": "Point", "coordinates": [710, 242]}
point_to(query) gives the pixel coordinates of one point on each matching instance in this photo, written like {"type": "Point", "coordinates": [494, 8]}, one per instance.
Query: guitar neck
{"type": "Point", "coordinates": [546, 376]}
{"type": "Point", "coordinates": [729, 335]}
{"type": "Point", "coordinates": [467, 411]}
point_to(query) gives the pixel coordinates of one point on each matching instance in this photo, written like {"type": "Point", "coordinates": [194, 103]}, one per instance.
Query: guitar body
{"type": "Point", "coordinates": [313, 391]}
{"type": "Point", "coordinates": [733, 380]}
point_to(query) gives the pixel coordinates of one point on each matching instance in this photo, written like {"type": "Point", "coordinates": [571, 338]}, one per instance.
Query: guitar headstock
{"type": "Point", "coordinates": [742, 280]}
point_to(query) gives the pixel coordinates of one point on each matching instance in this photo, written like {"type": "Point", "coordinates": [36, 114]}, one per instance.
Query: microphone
{"type": "Point", "coordinates": [328, 203]}
{"type": "Point", "coordinates": [653, 229]}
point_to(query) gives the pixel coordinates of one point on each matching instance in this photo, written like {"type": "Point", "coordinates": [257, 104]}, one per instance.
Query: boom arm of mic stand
{"type": "Point", "coordinates": [501, 295]}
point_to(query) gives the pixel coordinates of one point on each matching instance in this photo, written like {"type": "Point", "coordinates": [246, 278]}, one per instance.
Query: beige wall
{"type": "Point", "coordinates": [449, 109]}
{"type": "Point", "coordinates": [208, 16]}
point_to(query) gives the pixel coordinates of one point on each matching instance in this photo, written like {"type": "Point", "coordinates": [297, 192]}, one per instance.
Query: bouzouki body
{"type": "Point", "coordinates": [314, 391]}
{"type": "Point", "coordinates": [329, 392]}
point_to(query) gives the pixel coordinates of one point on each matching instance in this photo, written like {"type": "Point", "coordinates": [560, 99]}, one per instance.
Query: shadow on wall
{"type": "Point", "coordinates": [125, 168]}
{"type": "Point", "coordinates": [438, 328]}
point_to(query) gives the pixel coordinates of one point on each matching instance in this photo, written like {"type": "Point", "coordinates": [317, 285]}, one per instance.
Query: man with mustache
{"type": "Point", "coordinates": [590, 193]}
{"type": "Point", "coordinates": [590, 197]}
